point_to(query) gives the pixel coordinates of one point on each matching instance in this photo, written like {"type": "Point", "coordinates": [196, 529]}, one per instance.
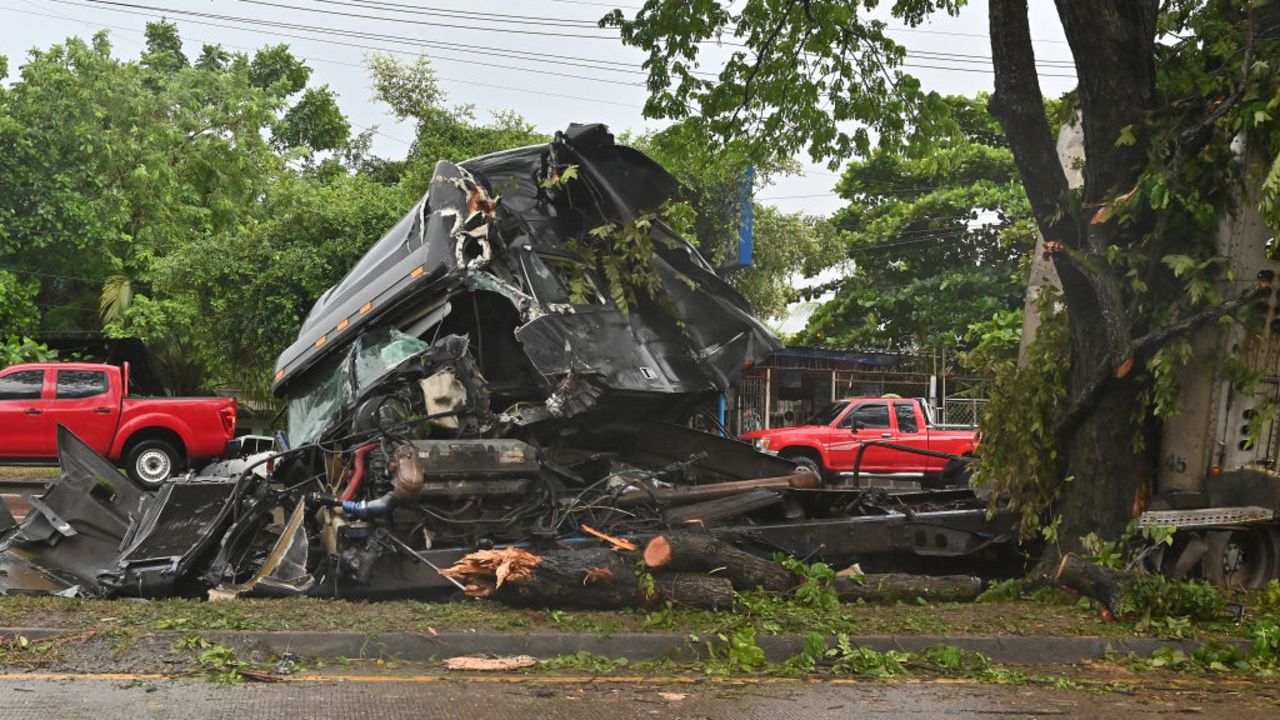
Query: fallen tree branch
{"type": "Point", "coordinates": [690, 551]}
{"type": "Point", "coordinates": [1142, 347]}
{"type": "Point", "coordinates": [601, 578]}
{"type": "Point", "coordinates": [899, 587]}
{"type": "Point", "coordinates": [1104, 586]}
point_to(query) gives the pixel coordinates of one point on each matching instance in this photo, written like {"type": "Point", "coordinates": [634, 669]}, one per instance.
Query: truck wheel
{"type": "Point", "coordinates": [805, 460]}
{"type": "Point", "coordinates": [151, 462]}
{"type": "Point", "coordinates": [1241, 558]}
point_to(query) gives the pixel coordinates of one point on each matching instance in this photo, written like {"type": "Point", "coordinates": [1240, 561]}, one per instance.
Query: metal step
{"type": "Point", "coordinates": [1205, 517]}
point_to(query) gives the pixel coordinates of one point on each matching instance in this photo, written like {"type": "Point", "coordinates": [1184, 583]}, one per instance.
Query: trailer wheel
{"type": "Point", "coordinates": [1241, 558]}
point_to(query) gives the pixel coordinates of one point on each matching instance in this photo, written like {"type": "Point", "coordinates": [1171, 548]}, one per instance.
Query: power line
{"type": "Point", "coordinates": [464, 14]}
{"type": "Point", "coordinates": [529, 56]}
{"type": "Point", "coordinates": [276, 33]}
{"type": "Point", "coordinates": [537, 33]}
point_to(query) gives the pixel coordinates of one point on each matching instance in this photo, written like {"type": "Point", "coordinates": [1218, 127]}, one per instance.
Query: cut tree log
{"type": "Point", "coordinates": [691, 551]}
{"type": "Point", "coordinates": [895, 587]}
{"type": "Point", "coordinates": [705, 592]}
{"type": "Point", "coordinates": [1103, 585]}
{"type": "Point", "coordinates": [599, 578]}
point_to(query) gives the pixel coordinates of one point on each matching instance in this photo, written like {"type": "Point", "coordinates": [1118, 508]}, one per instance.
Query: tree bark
{"type": "Point", "coordinates": [691, 551]}
{"type": "Point", "coordinates": [898, 587]}
{"type": "Point", "coordinates": [1103, 585]}
{"type": "Point", "coordinates": [705, 592]}
{"type": "Point", "coordinates": [1112, 42]}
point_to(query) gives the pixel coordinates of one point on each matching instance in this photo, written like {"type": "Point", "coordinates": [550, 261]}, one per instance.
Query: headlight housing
{"type": "Point", "coordinates": [761, 443]}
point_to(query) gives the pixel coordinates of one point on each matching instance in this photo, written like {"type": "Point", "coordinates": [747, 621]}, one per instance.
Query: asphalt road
{"type": "Point", "coordinates": [50, 697]}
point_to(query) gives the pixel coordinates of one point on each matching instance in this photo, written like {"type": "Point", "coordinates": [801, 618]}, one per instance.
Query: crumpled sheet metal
{"type": "Point", "coordinates": [457, 238]}
{"type": "Point", "coordinates": [76, 529]}
{"type": "Point", "coordinates": [96, 533]}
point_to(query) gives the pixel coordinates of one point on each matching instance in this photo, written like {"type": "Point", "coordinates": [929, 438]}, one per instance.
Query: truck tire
{"type": "Point", "coordinates": [151, 462]}
{"type": "Point", "coordinates": [1246, 558]}
{"type": "Point", "coordinates": [804, 458]}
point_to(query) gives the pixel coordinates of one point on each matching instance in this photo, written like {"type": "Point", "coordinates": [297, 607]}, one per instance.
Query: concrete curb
{"type": "Point", "coordinates": [639, 646]}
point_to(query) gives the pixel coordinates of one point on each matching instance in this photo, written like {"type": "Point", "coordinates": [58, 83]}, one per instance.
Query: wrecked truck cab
{"type": "Point", "coordinates": [507, 250]}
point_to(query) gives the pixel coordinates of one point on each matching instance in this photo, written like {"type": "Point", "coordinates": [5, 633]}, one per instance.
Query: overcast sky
{"type": "Point", "coordinates": [545, 59]}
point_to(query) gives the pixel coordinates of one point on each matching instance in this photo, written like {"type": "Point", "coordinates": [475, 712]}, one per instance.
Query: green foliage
{"type": "Point", "coordinates": [219, 661]}
{"type": "Point", "coordinates": [736, 652]}
{"type": "Point", "coordinates": [993, 343]}
{"type": "Point", "coordinates": [15, 349]}
{"type": "Point", "coordinates": [850, 659]}
{"type": "Point", "coordinates": [848, 89]}
{"type": "Point", "coordinates": [411, 91]}
{"type": "Point", "coordinates": [708, 213]}
{"type": "Point", "coordinates": [623, 257]}
{"type": "Point", "coordinates": [933, 245]}
{"type": "Point", "coordinates": [815, 589]}
{"type": "Point", "coordinates": [1019, 456]}
{"type": "Point", "coordinates": [584, 661]}
{"type": "Point", "coordinates": [1156, 597]}
{"type": "Point", "coordinates": [808, 659]}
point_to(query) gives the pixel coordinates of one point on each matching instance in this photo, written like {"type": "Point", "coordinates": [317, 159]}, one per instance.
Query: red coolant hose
{"type": "Point", "coordinates": [357, 474]}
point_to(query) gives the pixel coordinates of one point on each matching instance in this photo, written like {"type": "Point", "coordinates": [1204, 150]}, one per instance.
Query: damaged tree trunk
{"type": "Point", "coordinates": [692, 551]}
{"type": "Point", "coordinates": [1113, 44]}
{"type": "Point", "coordinates": [1103, 585]}
{"type": "Point", "coordinates": [898, 587]}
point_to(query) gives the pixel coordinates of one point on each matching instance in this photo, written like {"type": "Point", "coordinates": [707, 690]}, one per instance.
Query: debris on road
{"type": "Point", "coordinates": [504, 380]}
{"type": "Point", "coordinates": [489, 664]}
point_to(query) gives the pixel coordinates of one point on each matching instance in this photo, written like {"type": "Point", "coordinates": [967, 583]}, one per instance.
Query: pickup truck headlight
{"type": "Point", "coordinates": [761, 443]}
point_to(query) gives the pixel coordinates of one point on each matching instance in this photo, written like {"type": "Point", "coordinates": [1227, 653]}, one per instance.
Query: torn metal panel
{"type": "Point", "coordinates": [179, 522]}
{"type": "Point", "coordinates": [74, 531]}
{"type": "Point", "coordinates": [284, 571]}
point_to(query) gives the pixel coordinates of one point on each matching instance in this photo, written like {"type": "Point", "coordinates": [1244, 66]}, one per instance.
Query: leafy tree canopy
{"type": "Point", "coordinates": [934, 244]}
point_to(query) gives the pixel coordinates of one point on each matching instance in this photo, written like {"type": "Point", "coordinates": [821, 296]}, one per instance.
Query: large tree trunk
{"type": "Point", "coordinates": [1112, 42]}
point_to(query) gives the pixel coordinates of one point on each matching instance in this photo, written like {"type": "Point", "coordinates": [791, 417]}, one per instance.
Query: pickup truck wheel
{"type": "Point", "coordinates": [152, 462]}
{"type": "Point", "coordinates": [803, 459]}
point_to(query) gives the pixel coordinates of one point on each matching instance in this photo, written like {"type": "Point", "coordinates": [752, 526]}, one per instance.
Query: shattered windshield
{"type": "Point", "coordinates": [329, 388]}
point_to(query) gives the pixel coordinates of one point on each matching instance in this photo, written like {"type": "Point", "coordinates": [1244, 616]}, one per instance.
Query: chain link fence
{"type": "Point", "coordinates": [962, 411]}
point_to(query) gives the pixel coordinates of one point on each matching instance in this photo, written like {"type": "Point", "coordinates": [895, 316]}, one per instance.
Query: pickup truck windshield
{"type": "Point", "coordinates": [331, 387]}
{"type": "Point", "coordinates": [827, 415]}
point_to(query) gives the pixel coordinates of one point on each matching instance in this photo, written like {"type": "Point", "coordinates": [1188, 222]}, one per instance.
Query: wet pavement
{"type": "Point", "coordinates": [48, 696]}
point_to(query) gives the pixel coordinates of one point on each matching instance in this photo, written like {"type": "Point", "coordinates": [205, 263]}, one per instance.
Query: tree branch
{"type": "Point", "coordinates": [1193, 139]}
{"type": "Point", "coordinates": [1144, 347]}
{"type": "Point", "coordinates": [1018, 104]}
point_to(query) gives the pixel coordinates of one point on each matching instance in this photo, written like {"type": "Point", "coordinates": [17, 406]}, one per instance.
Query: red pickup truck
{"type": "Point", "coordinates": [830, 440]}
{"type": "Point", "coordinates": [152, 438]}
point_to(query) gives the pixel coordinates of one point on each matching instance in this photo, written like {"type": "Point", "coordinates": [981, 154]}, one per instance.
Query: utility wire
{"type": "Point", "coordinates": [151, 10]}
{"type": "Point", "coordinates": [276, 33]}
